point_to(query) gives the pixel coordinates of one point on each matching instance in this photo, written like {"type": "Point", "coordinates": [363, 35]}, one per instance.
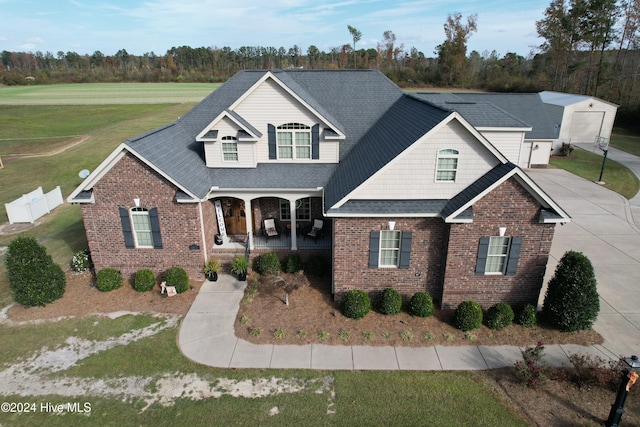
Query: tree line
{"type": "Point", "coordinates": [590, 47]}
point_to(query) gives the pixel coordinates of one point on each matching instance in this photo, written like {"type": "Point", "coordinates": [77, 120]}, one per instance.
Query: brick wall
{"type": "Point", "coordinates": [510, 206]}
{"type": "Point", "coordinates": [351, 256]}
{"type": "Point", "coordinates": [179, 223]}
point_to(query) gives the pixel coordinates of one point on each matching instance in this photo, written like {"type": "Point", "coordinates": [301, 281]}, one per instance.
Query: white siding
{"type": "Point", "coordinates": [271, 104]}
{"type": "Point", "coordinates": [213, 150]}
{"type": "Point", "coordinates": [412, 174]}
{"type": "Point", "coordinates": [508, 143]}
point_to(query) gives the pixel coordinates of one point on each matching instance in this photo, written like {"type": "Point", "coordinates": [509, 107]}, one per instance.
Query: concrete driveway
{"type": "Point", "coordinates": [602, 228]}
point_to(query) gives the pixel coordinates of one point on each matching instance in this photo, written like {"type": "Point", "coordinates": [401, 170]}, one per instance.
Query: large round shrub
{"type": "Point", "coordinates": [527, 316]}
{"type": "Point", "coordinates": [144, 280]}
{"type": "Point", "coordinates": [421, 304]}
{"type": "Point", "coordinates": [499, 316]}
{"type": "Point", "coordinates": [178, 277]}
{"type": "Point", "coordinates": [269, 263]}
{"type": "Point", "coordinates": [390, 301]}
{"type": "Point", "coordinates": [356, 304]}
{"type": "Point", "coordinates": [33, 276]}
{"type": "Point", "coordinates": [108, 279]}
{"type": "Point", "coordinates": [468, 316]}
{"type": "Point", "coordinates": [571, 302]}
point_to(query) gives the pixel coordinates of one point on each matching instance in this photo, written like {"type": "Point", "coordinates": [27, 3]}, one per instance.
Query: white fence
{"type": "Point", "coordinates": [32, 206]}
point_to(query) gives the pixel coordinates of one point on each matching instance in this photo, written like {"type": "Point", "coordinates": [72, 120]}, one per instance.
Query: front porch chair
{"type": "Point", "coordinates": [316, 229]}
{"type": "Point", "coordinates": [270, 228]}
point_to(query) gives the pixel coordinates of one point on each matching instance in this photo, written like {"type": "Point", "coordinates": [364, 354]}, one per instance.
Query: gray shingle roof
{"type": "Point", "coordinates": [391, 207]}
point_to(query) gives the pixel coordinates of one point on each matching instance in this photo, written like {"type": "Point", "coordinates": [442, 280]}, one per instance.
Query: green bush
{"type": "Point", "coordinates": [390, 301]}
{"type": "Point", "coordinates": [269, 263]}
{"type": "Point", "coordinates": [33, 276]}
{"type": "Point", "coordinates": [356, 304]}
{"type": "Point", "coordinates": [421, 304]}
{"type": "Point", "coordinates": [317, 266]}
{"type": "Point", "coordinates": [527, 317]}
{"type": "Point", "coordinates": [499, 316]}
{"type": "Point", "coordinates": [294, 264]}
{"type": "Point", "coordinates": [144, 280]}
{"type": "Point", "coordinates": [108, 279]}
{"type": "Point", "coordinates": [178, 277]}
{"type": "Point", "coordinates": [571, 302]}
{"type": "Point", "coordinates": [468, 316]}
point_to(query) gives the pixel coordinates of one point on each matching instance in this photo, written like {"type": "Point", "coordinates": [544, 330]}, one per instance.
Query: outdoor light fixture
{"type": "Point", "coordinates": [137, 202]}
{"type": "Point", "coordinates": [502, 231]}
{"type": "Point", "coordinates": [629, 377]}
{"type": "Point", "coordinates": [392, 225]}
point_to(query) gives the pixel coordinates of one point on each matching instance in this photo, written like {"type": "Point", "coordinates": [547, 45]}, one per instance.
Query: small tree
{"type": "Point", "coordinates": [571, 302]}
{"type": "Point", "coordinates": [33, 276]}
{"type": "Point", "coordinates": [289, 282]}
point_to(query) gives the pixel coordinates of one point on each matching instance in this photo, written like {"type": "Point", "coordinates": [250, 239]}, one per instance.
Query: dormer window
{"type": "Point", "coordinates": [294, 141]}
{"type": "Point", "coordinates": [229, 149]}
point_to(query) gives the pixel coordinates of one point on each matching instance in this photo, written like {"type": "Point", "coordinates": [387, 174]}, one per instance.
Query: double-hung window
{"type": "Point", "coordinates": [389, 248]}
{"type": "Point", "coordinates": [229, 149]}
{"type": "Point", "coordinates": [294, 141]}
{"type": "Point", "coordinates": [141, 224]}
{"type": "Point", "coordinates": [140, 228]}
{"type": "Point", "coordinates": [498, 255]}
{"type": "Point", "coordinates": [447, 165]}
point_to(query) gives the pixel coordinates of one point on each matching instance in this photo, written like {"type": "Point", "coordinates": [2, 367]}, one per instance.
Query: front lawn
{"type": "Point", "coordinates": [587, 165]}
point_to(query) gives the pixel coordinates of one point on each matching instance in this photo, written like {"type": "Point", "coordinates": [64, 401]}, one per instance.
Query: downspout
{"type": "Point", "coordinates": [204, 239]}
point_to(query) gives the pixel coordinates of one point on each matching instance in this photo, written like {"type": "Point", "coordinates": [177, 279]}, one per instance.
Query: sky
{"type": "Point", "coordinates": [138, 26]}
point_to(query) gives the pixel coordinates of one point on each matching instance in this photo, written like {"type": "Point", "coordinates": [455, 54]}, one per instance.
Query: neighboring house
{"type": "Point", "coordinates": [406, 194]}
{"type": "Point", "coordinates": [579, 118]}
{"type": "Point", "coordinates": [515, 123]}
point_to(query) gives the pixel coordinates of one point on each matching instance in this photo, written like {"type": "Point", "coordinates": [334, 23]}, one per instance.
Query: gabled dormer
{"type": "Point", "coordinates": [275, 121]}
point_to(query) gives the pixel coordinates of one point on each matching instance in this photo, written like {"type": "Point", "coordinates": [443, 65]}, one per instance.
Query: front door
{"type": "Point", "coordinates": [235, 218]}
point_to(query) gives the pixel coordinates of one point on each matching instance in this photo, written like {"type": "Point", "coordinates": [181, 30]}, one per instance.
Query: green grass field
{"type": "Point", "coordinates": [105, 93]}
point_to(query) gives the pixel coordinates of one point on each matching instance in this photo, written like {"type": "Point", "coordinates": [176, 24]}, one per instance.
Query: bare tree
{"type": "Point", "coordinates": [356, 35]}
{"type": "Point", "coordinates": [289, 282]}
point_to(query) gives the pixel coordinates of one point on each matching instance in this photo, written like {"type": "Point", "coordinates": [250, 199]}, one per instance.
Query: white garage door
{"type": "Point", "coordinates": [586, 125]}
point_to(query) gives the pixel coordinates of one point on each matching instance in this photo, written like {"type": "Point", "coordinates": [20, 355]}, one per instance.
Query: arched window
{"type": "Point", "coordinates": [294, 141]}
{"type": "Point", "coordinates": [447, 165]}
{"type": "Point", "coordinates": [229, 149]}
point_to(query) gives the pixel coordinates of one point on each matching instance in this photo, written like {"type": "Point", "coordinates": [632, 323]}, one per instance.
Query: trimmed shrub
{"type": "Point", "coordinates": [317, 266]}
{"type": "Point", "coordinates": [421, 304]}
{"type": "Point", "coordinates": [33, 276]}
{"type": "Point", "coordinates": [356, 304]}
{"type": "Point", "coordinates": [500, 316]}
{"type": "Point", "coordinates": [108, 279]}
{"type": "Point", "coordinates": [178, 277]}
{"type": "Point", "coordinates": [269, 263]}
{"type": "Point", "coordinates": [144, 280]}
{"type": "Point", "coordinates": [571, 302]}
{"type": "Point", "coordinates": [468, 316]}
{"type": "Point", "coordinates": [294, 264]}
{"type": "Point", "coordinates": [390, 301]}
{"type": "Point", "coordinates": [81, 261]}
{"type": "Point", "coordinates": [527, 317]}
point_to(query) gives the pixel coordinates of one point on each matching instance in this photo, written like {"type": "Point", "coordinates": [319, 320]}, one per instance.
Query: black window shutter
{"type": "Point", "coordinates": [126, 228]}
{"type": "Point", "coordinates": [315, 142]}
{"type": "Point", "coordinates": [483, 249]}
{"type": "Point", "coordinates": [155, 228]}
{"type": "Point", "coordinates": [271, 131]}
{"type": "Point", "coordinates": [514, 255]}
{"type": "Point", "coordinates": [374, 249]}
{"type": "Point", "coordinates": [405, 249]}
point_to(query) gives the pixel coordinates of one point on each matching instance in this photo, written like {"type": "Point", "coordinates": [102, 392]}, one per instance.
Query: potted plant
{"type": "Point", "coordinates": [240, 267]}
{"type": "Point", "coordinates": [211, 269]}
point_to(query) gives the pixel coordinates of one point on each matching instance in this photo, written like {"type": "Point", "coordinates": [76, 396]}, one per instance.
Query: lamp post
{"type": "Point", "coordinates": [628, 379]}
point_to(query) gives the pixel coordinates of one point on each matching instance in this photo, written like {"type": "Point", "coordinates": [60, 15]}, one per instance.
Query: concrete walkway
{"type": "Point", "coordinates": [601, 228]}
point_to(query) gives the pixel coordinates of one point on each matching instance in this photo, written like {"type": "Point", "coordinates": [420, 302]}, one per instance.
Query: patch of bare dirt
{"type": "Point", "coordinates": [312, 313]}
{"type": "Point", "coordinates": [81, 298]}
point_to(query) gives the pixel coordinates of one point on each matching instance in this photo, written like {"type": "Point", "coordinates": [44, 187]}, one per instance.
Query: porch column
{"type": "Point", "coordinates": [294, 233]}
{"type": "Point", "coordinates": [249, 221]}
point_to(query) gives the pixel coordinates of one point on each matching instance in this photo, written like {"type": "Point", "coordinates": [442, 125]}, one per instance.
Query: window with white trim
{"type": "Point", "coordinates": [389, 248]}
{"type": "Point", "coordinates": [294, 141]}
{"type": "Point", "coordinates": [497, 255]}
{"type": "Point", "coordinates": [303, 210]}
{"type": "Point", "coordinates": [447, 165]}
{"type": "Point", "coordinates": [229, 149]}
{"type": "Point", "coordinates": [141, 227]}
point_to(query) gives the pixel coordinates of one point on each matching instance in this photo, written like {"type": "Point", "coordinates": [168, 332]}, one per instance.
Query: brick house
{"type": "Point", "coordinates": [407, 193]}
